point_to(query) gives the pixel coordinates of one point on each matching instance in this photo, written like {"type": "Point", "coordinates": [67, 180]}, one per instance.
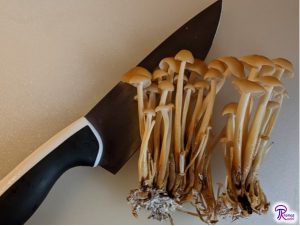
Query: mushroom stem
{"type": "Point", "coordinates": [254, 132]}
{"type": "Point", "coordinates": [178, 109]}
{"type": "Point", "coordinates": [193, 120]}
{"type": "Point", "coordinates": [184, 114]}
{"type": "Point", "coordinates": [141, 108]}
{"type": "Point", "coordinates": [267, 117]}
{"type": "Point", "coordinates": [165, 149]}
{"type": "Point", "coordinates": [258, 159]}
{"type": "Point", "coordinates": [142, 162]}
{"type": "Point", "coordinates": [273, 118]}
{"type": "Point", "coordinates": [238, 133]}
{"type": "Point", "coordinates": [253, 73]}
{"type": "Point", "coordinates": [230, 127]}
{"type": "Point", "coordinates": [163, 97]}
{"type": "Point", "coordinates": [208, 112]}
{"type": "Point", "coordinates": [200, 149]}
{"type": "Point", "coordinates": [156, 138]}
{"type": "Point", "coordinates": [246, 121]}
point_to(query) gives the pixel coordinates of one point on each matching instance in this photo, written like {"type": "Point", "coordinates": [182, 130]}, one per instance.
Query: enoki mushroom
{"type": "Point", "coordinates": [175, 107]}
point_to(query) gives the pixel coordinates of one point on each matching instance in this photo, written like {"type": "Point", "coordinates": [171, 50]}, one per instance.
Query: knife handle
{"type": "Point", "coordinates": [23, 189]}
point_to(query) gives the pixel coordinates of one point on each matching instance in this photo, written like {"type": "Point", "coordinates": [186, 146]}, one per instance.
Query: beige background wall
{"type": "Point", "coordinates": [58, 58]}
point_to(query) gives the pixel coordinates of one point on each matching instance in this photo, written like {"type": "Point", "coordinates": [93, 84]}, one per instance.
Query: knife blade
{"type": "Point", "coordinates": [196, 35]}
{"type": "Point", "coordinates": [107, 136]}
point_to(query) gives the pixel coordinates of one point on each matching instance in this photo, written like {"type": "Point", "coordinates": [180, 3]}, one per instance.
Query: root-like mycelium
{"type": "Point", "coordinates": [175, 106]}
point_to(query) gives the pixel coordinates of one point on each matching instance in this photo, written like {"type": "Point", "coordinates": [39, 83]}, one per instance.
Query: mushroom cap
{"type": "Point", "coordinates": [213, 74]}
{"type": "Point", "coordinates": [218, 65]}
{"type": "Point", "coordinates": [273, 104]}
{"type": "Point", "coordinates": [189, 86]}
{"type": "Point", "coordinates": [159, 74]}
{"type": "Point", "coordinates": [270, 81]}
{"type": "Point", "coordinates": [167, 107]}
{"type": "Point", "coordinates": [152, 88]}
{"type": "Point", "coordinates": [185, 55]}
{"type": "Point", "coordinates": [137, 79]}
{"type": "Point", "coordinates": [136, 71]}
{"type": "Point", "coordinates": [259, 62]}
{"type": "Point", "coordinates": [235, 66]}
{"type": "Point", "coordinates": [149, 111]}
{"type": "Point", "coordinates": [246, 86]}
{"type": "Point", "coordinates": [169, 63]}
{"type": "Point", "coordinates": [185, 79]}
{"type": "Point", "coordinates": [286, 65]}
{"type": "Point", "coordinates": [198, 67]}
{"type": "Point", "coordinates": [256, 60]}
{"type": "Point", "coordinates": [230, 108]}
{"type": "Point", "coordinates": [202, 84]}
{"type": "Point", "coordinates": [166, 85]}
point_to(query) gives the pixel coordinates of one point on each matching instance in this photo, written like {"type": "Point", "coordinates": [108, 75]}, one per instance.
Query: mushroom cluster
{"type": "Point", "coordinates": [175, 107]}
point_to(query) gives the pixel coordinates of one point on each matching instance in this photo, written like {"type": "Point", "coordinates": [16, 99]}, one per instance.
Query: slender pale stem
{"type": "Point", "coordinates": [230, 127]}
{"type": "Point", "coordinates": [273, 118]}
{"type": "Point", "coordinates": [141, 108]}
{"type": "Point", "coordinates": [247, 121]}
{"type": "Point", "coordinates": [208, 112]}
{"type": "Point", "coordinates": [200, 149]}
{"type": "Point", "coordinates": [178, 113]}
{"type": "Point", "coordinates": [184, 114]}
{"type": "Point", "coordinates": [238, 133]}
{"type": "Point", "coordinates": [192, 124]}
{"type": "Point", "coordinates": [163, 97]}
{"type": "Point", "coordinates": [164, 154]}
{"type": "Point", "coordinates": [266, 120]}
{"type": "Point", "coordinates": [142, 163]}
{"type": "Point", "coordinates": [254, 132]}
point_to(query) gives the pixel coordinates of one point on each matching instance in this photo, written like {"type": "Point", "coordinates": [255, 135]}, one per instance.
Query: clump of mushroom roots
{"type": "Point", "coordinates": [175, 108]}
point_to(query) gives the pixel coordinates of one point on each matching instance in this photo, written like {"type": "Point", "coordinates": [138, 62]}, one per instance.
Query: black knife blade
{"type": "Point", "coordinates": [117, 124]}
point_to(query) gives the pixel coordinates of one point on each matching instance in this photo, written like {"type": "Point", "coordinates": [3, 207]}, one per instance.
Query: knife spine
{"type": "Point", "coordinates": [47, 148]}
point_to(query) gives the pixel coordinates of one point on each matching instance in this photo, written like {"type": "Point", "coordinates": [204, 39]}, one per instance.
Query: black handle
{"type": "Point", "coordinates": [22, 199]}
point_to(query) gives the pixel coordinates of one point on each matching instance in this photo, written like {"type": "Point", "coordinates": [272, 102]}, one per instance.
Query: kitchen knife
{"type": "Point", "coordinates": [107, 136]}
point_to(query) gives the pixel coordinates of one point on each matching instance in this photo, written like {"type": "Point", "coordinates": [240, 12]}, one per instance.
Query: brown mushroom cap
{"type": "Point", "coordinates": [189, 86]}
{"type": "Point", "coordinates": [286, 65]}
{"type": "Point", "coordinates": [269, 81]}
{"type": "Point", "coordinates": [137, 79]}
{"type": "Point", "coordinates": [166, 85]}
{"type": "Point", "coordinates": [153, 88]}
{"type": "Point", "coordinates": [185, 55]}
{"type": "Point", "coordinates": [246, 86]}
{"type": "Point", "coordinates": [159, 74]}
{"type": "Point", "coordinates": [213, 74]}
{"type": "Point", "coordinates": [202, 84]}
{"type": "Point", "coordinates": [230, 108]}
{"type": "Point", "coordinates": [169, 63]}
{"type": "Point", "coordinates": [185, 79]}
{"type": "Point", "coordinates": [198, 67]}
{"type": "Point", "coordinates": [136, 71]}
{"type": "Point", "coordinates": [259, 61]}
{"type": "Point", "coordinates": [218, 65]}
{"type": "Point", "coordinates": [234, 65]}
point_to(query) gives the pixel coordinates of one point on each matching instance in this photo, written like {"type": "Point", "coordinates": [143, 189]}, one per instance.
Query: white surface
{"type": "Point", "coordinates": [45, 149]}
{"type": "Point", "coordinates": [58, 58]}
